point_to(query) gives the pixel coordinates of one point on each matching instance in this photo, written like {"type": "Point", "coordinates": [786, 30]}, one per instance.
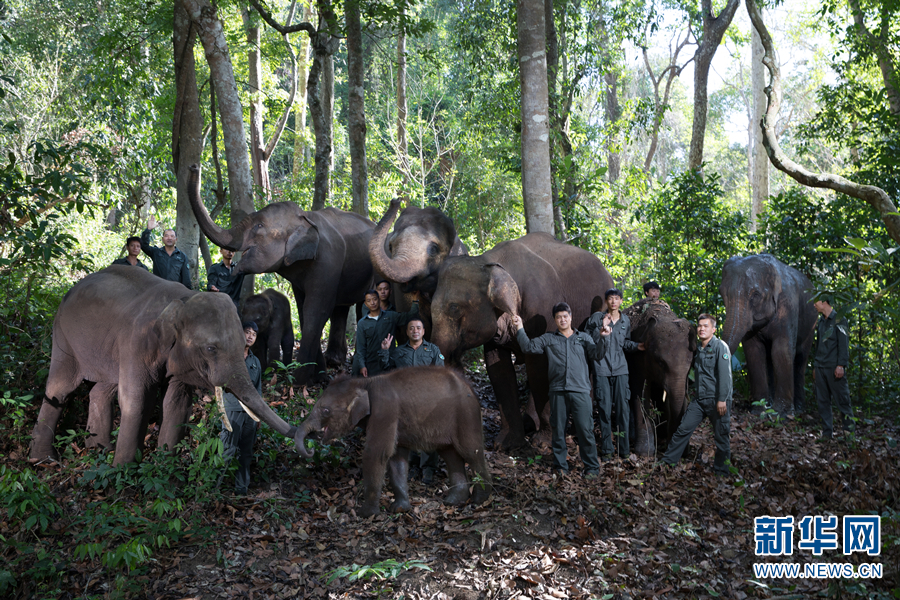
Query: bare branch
{"type": "Point", "coordinates": [282, 29]}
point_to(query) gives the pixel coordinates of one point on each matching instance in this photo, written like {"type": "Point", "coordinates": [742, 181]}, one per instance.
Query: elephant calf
{"type": "Point", "coordinates": [271, 311]}
{"type": "Point", "coordinates": [417, 408]}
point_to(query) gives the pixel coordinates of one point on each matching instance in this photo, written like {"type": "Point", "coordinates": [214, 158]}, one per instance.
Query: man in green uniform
{"type": "Point", "coordinates": [832, 358]}
{"type": "Point", "coordinates": [712, 393]}
{"type": "Point", "coordinates": [168, 262]}
{"type": "Point", "coordinates": [240, 440]}
{"type": "Point", "coordinates": [133, 247]}
{"type": "Point", "coordinates": [570, 388]}
{"type": "Point", "coordinates": [221, 277]}
{"type": "Point", "coordinates": [383, 288]}
{"type": "Point", "coordinates": [611, 376]}
{"type": "Point", "coordinates": [372, 329]}
{"type": "Point", "coordinates": [414, 353]}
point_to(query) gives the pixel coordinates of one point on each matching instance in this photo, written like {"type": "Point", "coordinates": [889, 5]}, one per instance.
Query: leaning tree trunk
{"type": "Point", "coordinates": [536, 188]}
{"type": "Point", "coordinates": [212, 35]}
{"type": "Point", "coordinates": [713, 30]}
{"type": "Point", "coordinates": [356, 118]}
{"type": "Point", "coordinates": [187, 136]}
{"type": "Point", "coordinates": [300, 106]}
{"type": "Point", "coordinates": [321, 101]}
{"type": "Point", "coordinates": [759, 164]}
{"type": "Point", "coordinates": [258, 160]}
{"type": "Point", "coordinates": [875, 196]}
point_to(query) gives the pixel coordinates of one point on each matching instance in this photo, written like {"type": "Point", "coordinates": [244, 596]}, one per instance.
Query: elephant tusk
{"type": "Point", "coordinates": [248, 411]}
{"type": "Point", "coordinates": [220, 401]}
{"type": "Point", "coordinates": [664, 396]}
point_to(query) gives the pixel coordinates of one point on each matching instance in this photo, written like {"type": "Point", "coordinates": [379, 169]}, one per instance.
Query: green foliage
{"type": "Point", "coordinates": [692, 232]}
{"type": "Point", "coordinates": [24, 496]}
{"type": "Point", "coordinates": [386, 569]}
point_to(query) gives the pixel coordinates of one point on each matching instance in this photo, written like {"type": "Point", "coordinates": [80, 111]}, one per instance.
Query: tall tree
{"type": "Point", "coordinates": [187, 127]}
{"type": "Point", "coordinates": [300, 150]}
{"type": "Point", "coordinates": [759, 161]}
{"type": "Point", "coordinates": [402, 143]}
{"type": "Point", "coordinates": [536, 189]}
{"type": "Point", "coordinates": [356, 117]}
{"type": "Point", "coordinates": [875, 196]}
{"type": "Point", "coordinates": [713, 29]}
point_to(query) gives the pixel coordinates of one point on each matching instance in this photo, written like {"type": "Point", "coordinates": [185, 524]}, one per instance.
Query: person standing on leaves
{"type": "Point", "coordinates": [372, 329]}
{"type": "Point", "coordinates": [712, 390]}
{"type": "Point", "coordinates": [570, 388]}
{"type": "Point", "coordinates": [221, 277]}
{"type": "Point", "coordinates": [832, 358]}
{"type": "Point", "coordinates": [238, 443]}
{"type": "Point", "coordinates": [133, 247]}
{"type": "Point", "coordinates": [416, 352]}
{"type": "Point", "coordinates": [611, 376]}
{"type": "Point", "coordinates": [168, 262]}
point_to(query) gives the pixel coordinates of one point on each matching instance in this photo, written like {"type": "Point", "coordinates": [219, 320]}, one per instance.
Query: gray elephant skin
{"type": "Point", "coordinates": [128, 329]}
{"type": "Point", "coordinates": [324, 254]}
{"type": "Point", "coordinates": [271, 311]}
{"type": "Point", "coordinates": [477, 295]}
{"type": "Point", "coordinates": [399, 417]}
{"type": "Point", "coordinates": [663, 365]}
{"type": "Point", "coordinates": [768, 309]}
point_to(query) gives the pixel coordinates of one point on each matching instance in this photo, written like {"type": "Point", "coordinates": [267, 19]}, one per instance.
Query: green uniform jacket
{"type": "Point", "coordinates": [614, 363]}
{"type": "Point", "coordinates": [124, 261]}
{"type": "Point", "coordinates": [568, 368]}
{"type": "Point", "coordinates": [712, 371]}
{"type": "Point", "coordinates": [369, 334]}
{"type": "Point", "coordinates": [405, 356]}
{"type": "Point", "coordinates": [224, 278]}
{"type": "Point", "coordinates": [255, 370]}
{"type": "Point", "coordinates": [832, 342]}
{"type": "Point", "coordinates": [173, 268]}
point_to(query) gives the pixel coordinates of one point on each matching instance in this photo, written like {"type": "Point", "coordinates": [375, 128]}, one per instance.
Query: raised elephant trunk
{"type": "Point", "coordinates": [231, 239]}
{"type": "Point", "coordinates": [401, 270]}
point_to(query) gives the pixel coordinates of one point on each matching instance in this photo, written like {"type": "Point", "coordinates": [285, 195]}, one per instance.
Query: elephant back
{"type": "Point", "coordinates": [642, 312]}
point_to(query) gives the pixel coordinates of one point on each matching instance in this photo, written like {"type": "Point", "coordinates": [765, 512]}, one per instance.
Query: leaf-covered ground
{"type": "Point", "coordinates": [640, 531]}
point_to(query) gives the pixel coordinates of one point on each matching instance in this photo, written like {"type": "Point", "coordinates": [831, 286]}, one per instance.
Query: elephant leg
{"type": "Point", "coordinates": [498, 362]}
{"type": "Point", "coordinates": [336, 351]}
{"type": "Point", "coordinates": [645, 433]}
{"type": "Point", "coordinates": [62, 381]}
{"type": "Point", "coordinates": [456, 469]}
{"type": "Point", "coordinates": [134, 405]}
{"type": "Point", "coordinates": [100, 415]}
{"type": "Point", "coordinates": [310, 357]}
{"type": "Point", "coordinates": [757, 371]}
{"type": "Point", "coordinates": [783, 370]}
{"type": "Point", "coordinates": [399, 478]}
{"type": "Point", "coordinates": [800, 360]}
{"type": "Point", "coordinates": [539, 384]}
{"type": "Point", "coordinates": [287, 344]}
{"type": "Point", "coordinates": [264, 344]}
{"type": "Point", "coordinates": [176, 411]}
{"type": "Point", "coordinates": [381, 444]}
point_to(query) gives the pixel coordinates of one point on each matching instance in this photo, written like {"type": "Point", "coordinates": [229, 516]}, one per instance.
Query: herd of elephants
{"type": "Point", "coordinates": [138, 336]}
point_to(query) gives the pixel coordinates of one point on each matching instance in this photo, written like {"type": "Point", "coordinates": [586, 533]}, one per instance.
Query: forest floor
{"type": "Point", "coordinates": [639, 531]}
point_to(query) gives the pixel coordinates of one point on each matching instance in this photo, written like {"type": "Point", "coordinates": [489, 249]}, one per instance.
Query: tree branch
{"type": "Point", "coordinates": [282, 121]}
{"type": "Point", "coordinates": [875, 196]}
{"type": "Point", "coordinates": [282, 29]}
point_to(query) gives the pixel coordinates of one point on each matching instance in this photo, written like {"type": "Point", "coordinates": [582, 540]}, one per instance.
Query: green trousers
{"type": "Point", "coordinates": [721, 426]}
{"type": "Point", "coordinates": [238, 443]}
{"type": "Point", "coordinates": [827, 387]}
{"type": "Point", "coordinates": [577, 404]}
{"type": "Point", "coordinates": [613, 392]}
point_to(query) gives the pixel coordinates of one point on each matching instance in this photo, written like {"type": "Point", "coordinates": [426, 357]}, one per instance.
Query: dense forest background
{"type": "Point", "coordinates": [91, 111]}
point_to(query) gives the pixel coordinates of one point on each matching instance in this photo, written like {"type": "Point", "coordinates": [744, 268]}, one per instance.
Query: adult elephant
{"type": "Point", "coordinates": [669, 346]}
{"type": "Point", "coordinates": [476, 296]}
{"type": "Point", "coordinates": [768, 309]}
{"type": "Point", "coordinates": [324, 254]}
{"type": "Point", "coordinates": [128, 329]}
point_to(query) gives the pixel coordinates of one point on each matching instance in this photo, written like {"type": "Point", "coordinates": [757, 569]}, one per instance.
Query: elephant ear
{"type": "Point", "coordinates": [303, 244]}
{"type": "Point", "coordinates": [359, 408]}
{"type": "Point", "coordinates": [692, 339]}
{"type": "Point", "coordinates": [502, 290]}
{"type": "Point", "coordinates": [168, 323]}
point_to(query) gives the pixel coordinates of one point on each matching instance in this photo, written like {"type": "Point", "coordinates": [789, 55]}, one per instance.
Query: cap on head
{"type": "Point", "coordinates": [250, 325]}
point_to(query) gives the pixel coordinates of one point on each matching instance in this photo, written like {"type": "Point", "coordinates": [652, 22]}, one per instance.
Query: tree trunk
{"type": "Point", "coordinates": [557, 121]}
{"type": "Point", "coordinates": [875, 196]}
{"type": "Point", "coordinates": [258, 162]}
{"type": "Point", "coordinates": [187, 136]}
{"type": "Point", "coordinates": [212, 36]}
{"type": "Point", "coordinates": [356, 117]}
{"type": "Point", "coordinates": [713, 30]}
{"type": "Point", "coordinates": [402, 142]}
{"type": "Point", "coordinates": [300, 149]}
{"type": "Point", "coordinates": [536, 188]}
{"type": "Point", "coordinates": [880, 47]}
{"type": "Point", "coordinates": [613, 112]}
{"type": "Point", "coordinates": [321, 101]}
{"type": "Point", "coordinates": [759, 180]}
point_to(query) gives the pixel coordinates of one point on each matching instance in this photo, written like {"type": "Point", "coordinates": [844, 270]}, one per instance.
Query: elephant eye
{"type": "Point", "coordinates": [432, 249]}
{"type": "Point", "coordinates": [326, 412]}
{"type": "Point", "coordinates": [211, 349]}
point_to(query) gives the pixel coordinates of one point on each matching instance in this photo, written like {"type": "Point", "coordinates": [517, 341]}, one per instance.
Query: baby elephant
{"type": "Point", "coordinates": [417, 408]}
{"type": "Point", "coordinates": [271, 311]}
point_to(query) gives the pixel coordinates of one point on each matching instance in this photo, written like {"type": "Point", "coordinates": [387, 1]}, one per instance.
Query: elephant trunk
{"type": "Point", "coordinates": [735, 328]}
{"type": "Point", "coordinates": [300, 440]}
{"type": "Point", "coordinates": [239, 385]}
{"type": "Point", "coordinates": [231, 239]}
{"type": "Point", "coordinates": [396, 269]}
